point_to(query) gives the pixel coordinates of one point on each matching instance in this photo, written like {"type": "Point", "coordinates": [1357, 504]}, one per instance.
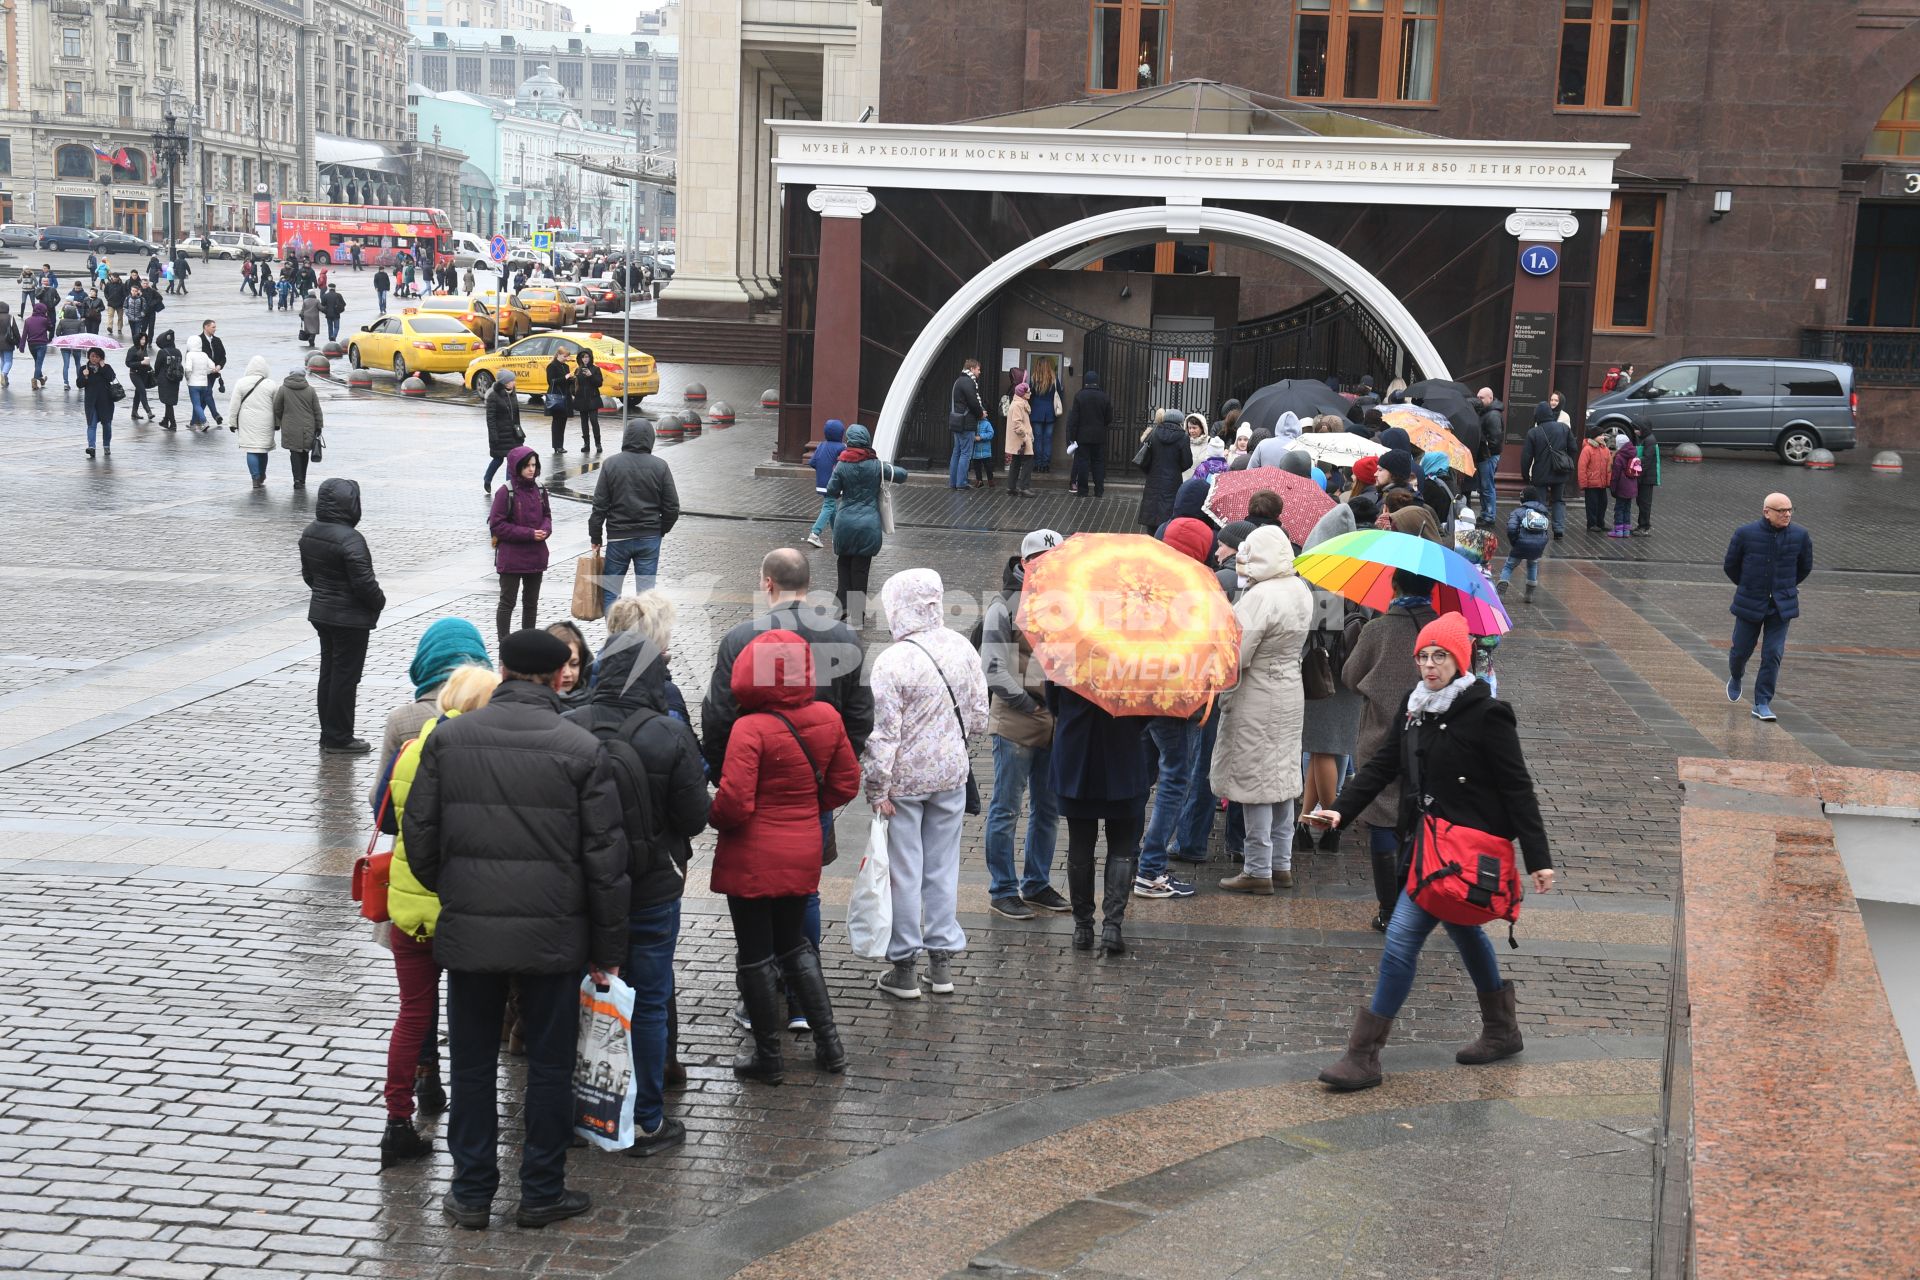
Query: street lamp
{"type": "Point", "coordinates": [170, 147]}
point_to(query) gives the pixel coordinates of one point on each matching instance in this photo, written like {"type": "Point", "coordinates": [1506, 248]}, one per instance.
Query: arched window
{"type": "Point", "coordinates": [1898, 132]}
{"type": "Point", "coordinates": [136, 166]}
{"type": "Point", "coordinates": [74, 161]}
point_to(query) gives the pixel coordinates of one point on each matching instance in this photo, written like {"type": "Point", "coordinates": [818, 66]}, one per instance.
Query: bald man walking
{"type": "Point", "coordinates": [1766, 562]}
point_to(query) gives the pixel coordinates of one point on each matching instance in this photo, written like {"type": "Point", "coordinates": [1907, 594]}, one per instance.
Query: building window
{"type": "Point", "coordinates": [73, 161]}
{"type": "Point", "coordinates": [1600, 47]}
{"type": "Point", "coordinates": [1629, 275]}
{"type": "Point", "coordinates": [1897, 134]}
{"type": "Point", "coordinates": [637, 73]}
{"type": "Point", "coordinates": [667, 126]}
{"type": "Point", "coordinates": [70, 98]}
{"type": "Point", "coordinates": [466, 74]}
{"type": "Point", "coordinates": [124, 94]}
{"type": "Point", "coordinates": [136, 166]}
{"type": "Point", "coordinates": [1128, 45]}
{"type": "Point", "coordinates": [123, 47]}
{"type": "Point", "coordinates": [166, 54]}
{"type": "Point", "coordinates": [1885, 292]}
{"type": "Point", "coordinates": [69, 42]}
{"type": "Point", "coordinates": [433, 73]}
{"type": "Point", "coordinates": [1366, 50]}
{"type": "Point", "coordinates": [246, 174]}
{"type": "Point", "coordinates": [568, 74]}
{"type": "Point", "coordinates": [605, 80]}
{"type": "Point", "coordinates": [500, 76]}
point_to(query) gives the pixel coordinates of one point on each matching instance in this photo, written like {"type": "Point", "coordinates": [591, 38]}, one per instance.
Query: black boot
{"type": "Point", "coordinates": [760, 991]}
{"type": "Point", "coordinates": [1114, 908]}
{"type": "Point", "coordinates": [428, 1093]}
{"type": "Point", "coordinates": [1330, 840]}
{"type": "Point", "coordinates": [400, 1142]}
{"type": "Point", "coordinates": [1080, 894]}
{"type": "Point", "coordinates": [802, 969]}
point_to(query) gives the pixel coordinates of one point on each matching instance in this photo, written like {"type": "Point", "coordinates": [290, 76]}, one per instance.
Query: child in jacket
{"type": "Point", "coordinates": [825, 455]}
{"type": "Point", "coordinates": [1626, 486]}
{"type": "Point", "coordinates": [1528, 528]}
{"type": "Point", "coordinates": [983, 453]}
{"type": "Point", "coordinates": [1596, 475]}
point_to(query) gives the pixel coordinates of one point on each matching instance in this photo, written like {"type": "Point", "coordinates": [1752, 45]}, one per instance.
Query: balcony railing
{"type": "Point", "coordinates": [1880, 357]}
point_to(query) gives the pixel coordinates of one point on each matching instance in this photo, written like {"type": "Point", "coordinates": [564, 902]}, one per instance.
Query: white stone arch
{"type": "Point", "coordinates": [1310, 253]}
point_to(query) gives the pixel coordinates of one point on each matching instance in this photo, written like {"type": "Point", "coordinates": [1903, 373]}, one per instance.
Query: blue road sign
{"type": "Point", "coordinates": [498, 249]}
{"type": "Point", "coordinates": [1539, 260]}
{"type": "Point", "coordinates": [542, 241]}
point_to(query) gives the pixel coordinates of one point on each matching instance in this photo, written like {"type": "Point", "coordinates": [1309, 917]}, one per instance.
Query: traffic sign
{"type": "Point", "coordinates": [498, 249]}
{"type": "Point", "coordinates": [543, 241]}
{"type": "Point", "coordinates": [1539, 260]}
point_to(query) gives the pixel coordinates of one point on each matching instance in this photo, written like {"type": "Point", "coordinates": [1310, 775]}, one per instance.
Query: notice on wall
{"type": "Point", "coordinates": [1199, 370]}
{"type": "Point", "coordinates": [1530, 364]}
{"type": "Point", "coordinates": [1176, 370]}
{"type": "Point", "coordinates": [1009, 358]}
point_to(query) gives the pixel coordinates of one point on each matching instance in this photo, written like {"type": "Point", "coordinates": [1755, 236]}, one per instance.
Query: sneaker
{"type": "Point", "coordinates": [1048, 899]}
{"type": "Point", "coordinates": [739, 1015]}
{"type": "Point", "coordinates": [1502, 586]}
{"type": "Point", "coordinates": [797, 1021]}
{"type": "Point", "coordinates": [1156, 887]}
{"type": "Point", "coordinates": [900, 981]}
{"type": "Point", "coordinates": [813, 540]}
{"type": "Point", "coordinates": [940, 972]}
{"type": "Point", "coordinates": [1761, 711]}
{"type": "Point", "coordinates": [1733, 689]}
{"type": "Point", "coordinates": [669, 1135]}
{"type": "Point", "coordinates": [1012, 908]}
{"type": "Point", "coordinates": [1179, 888]}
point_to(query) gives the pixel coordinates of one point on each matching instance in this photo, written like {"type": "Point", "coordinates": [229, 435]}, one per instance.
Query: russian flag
{"type": "Point", "coordinates": [103, 153]}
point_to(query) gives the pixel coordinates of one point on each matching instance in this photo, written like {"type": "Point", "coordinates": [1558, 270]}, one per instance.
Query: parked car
{"type": "Point", "coordinates": [1740, 402]}
{"type": "Point", "coordinates": [19, 235]}
{"type": "Point", "coordinates": [628, 370]}
{"type": "Point", "coordinates": [229, 245]}
{"type": "Point", "coordinates": [108, 242]}
{"type": "Point", "coordinates": [580, 296]}
{"type": "Point", "coordinates": [546, 305]}
{"type": "Point", "coordinates": [509, 316]}
{"type": "Point", "coordinates": [607, 296]}
{"type": "Point", "coordinates": [475, 314]}
{"type": "Point", "coordinates": [414, 344]}
{"type": "Point", "coordinates": [60, 238]}
{"type": "Point", "coordinates": [470, 250]}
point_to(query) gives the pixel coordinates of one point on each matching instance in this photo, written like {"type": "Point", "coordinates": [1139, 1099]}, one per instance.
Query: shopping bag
{"type": "Point", "coordinates": [886, 507]}
{"type": "Point", "coordinates": [604, 1089]}
{"type": "Point", "coordinates": [870, 905]}
{"type": "Point", "coordinates": [587, 572]}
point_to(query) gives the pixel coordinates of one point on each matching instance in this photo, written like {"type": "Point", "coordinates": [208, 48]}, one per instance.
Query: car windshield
{"type": "Point", "coordinates": [437, 324]}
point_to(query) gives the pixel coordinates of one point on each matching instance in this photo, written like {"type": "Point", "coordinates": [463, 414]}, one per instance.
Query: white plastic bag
{"type": "Point", "coordinates": [870, 905]}
{"type": "Point", "coordinates": [604, 1089]}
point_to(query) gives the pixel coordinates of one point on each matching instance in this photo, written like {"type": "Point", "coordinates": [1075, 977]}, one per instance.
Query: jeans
{"type": "Point", "coordinates": [651, 934]}
{"type": "Point", "coordinates": [1018, 769]}
{"type": "Point", "coordinates": [414, 1027]}
{"type": "Point", "coordinates": [825, 518]}
{"type": "Point", "coordinates": [1771, 634]}
{"type": "Point", "coordinates": [69, 361]}
{"type": "Point", "coordinates": [257, 467]}
{"type": "Point", "coordinates": [960, 459]}
{"type": "Point", "coordinates": [1263, 820]}
{"type": "Point", "coordinates": [1533, 569]}
{"type": "Point", "coordinates": [343, 656]}
{"type": "Point", "coordinates": [1043, 445]}
{"type": "Point", "coordinates": [1196, 821]}
{"type": "Point", "coordinates": [1489, 500]}
{"type": "Point", "coordinates": [103, 419]}
{"type": "Point", "coordinates": [549, 1019]}
{"type": "Point", "coordinates": [39, 351]}
{"type": "Point", "coordinates": [1557, 504]}
{"type": "Point", "coordinates": [1407, 932]}
{"type": "Point", "coordinates": [333, 328]}
{"type": "Point", "coordinates": [493, 469]}
{"type": "Point", "coordinates": [6, 362]}
{"type": "Point", "coordinates": [923, 841]}
{"type": "Point", "coordinates": [380, 300]}
{"type": "Point", "coordinates": [202, 399]}
{"type": "Point", "coordinates": [1623, 511]}
{"type": "Point", "coordinates": [642, 554]}
{"type": "Point", "coordinates": [1177, 742]}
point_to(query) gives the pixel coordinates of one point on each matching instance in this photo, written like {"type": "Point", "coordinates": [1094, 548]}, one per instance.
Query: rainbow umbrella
{"type": "Point", "coordinates": [1360, 567]}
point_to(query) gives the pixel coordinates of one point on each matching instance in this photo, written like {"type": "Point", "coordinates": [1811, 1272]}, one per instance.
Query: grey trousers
{"type": "Point", "coordinates": [1266, 824]}
{"type": "Point", "coordinates": [923, 840]}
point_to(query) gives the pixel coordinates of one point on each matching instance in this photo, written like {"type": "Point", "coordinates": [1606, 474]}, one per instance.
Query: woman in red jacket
{"type": "Point", "coordinates": [788, 761]}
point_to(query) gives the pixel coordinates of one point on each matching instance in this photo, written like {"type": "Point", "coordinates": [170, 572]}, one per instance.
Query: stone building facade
{"type": "Point", "coordinates": [601, 77]}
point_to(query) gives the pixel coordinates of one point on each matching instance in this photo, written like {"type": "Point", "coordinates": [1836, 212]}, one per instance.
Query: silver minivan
{"type": "Point", "coordinates": [1740, 402]}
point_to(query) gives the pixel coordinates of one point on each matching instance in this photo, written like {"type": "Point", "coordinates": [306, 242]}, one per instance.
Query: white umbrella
{"type": "Point", "coordinates": [1338, 448]}
{"type": "Point", "coordinates": [81, 341]}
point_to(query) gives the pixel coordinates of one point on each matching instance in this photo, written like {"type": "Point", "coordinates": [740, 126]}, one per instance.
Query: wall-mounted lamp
{"type": "Point", "coordinates": [1126, 291]}
{"type": "Point", "coordinates": [865, 116]}
{"type": "Point", "coordinates": [1722, 205]}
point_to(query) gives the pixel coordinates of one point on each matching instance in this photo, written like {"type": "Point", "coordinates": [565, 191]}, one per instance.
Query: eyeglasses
{"type": "Point", "coordinates": [1432, 657]}
{"type": "Point", "coordinates": [1779, 511]}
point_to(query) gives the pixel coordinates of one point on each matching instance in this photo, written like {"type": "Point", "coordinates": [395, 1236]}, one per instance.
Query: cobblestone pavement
{"type": "Point", "coordinates": [193, 1026]}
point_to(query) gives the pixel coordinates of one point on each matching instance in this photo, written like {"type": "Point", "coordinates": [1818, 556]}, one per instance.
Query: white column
{"type": "Point", "coordinates": [708, 280]}
{"type": "Point", "coordinates": [746, 226]}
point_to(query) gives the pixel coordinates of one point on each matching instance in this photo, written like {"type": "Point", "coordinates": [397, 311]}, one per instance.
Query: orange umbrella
{"type": "Point", "coordinates": [1423, 430]}
{"type": "Point", "coordinates": [1130, 624]}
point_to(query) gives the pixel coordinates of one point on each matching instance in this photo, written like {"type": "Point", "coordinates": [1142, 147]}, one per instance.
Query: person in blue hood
{"type": "Point", "coordinates": [825, 455]}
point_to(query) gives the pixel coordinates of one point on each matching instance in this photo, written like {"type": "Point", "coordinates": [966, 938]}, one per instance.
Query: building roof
{"type": "Point", "coordinates": [472, 175]}
{"type": "Point", "coordinates": [603, 44]}
{"type": "Point", "coordinates": [356, 153]}
{"type": "Point", "coordinates": [1198, 107]}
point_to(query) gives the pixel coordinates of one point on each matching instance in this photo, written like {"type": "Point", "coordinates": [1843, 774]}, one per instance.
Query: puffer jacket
{"type": "Point", "coordinates": [335, 561]}
{"type": "Point", "coordinates": [520, 511]}
{"type": "Point", "coordinates": [676, 778]}
{"type": "Point", "coordinates": [250, 413]}
{"type": "Point", "coordinates": [411, 906]}
{"type": "Point", "coordinates": [514, 821]}
{"type": "Point", "coordinates": [1625, 483]}
{"type": "Point", "coordinates": [1016, 687]}
{"type": "Point", "coordinates": [1256, 755]}
{"type": "Point", "coordinates": [1766, 566]}
{"type": "Point", "coordinates": [296, 412]}
{"type": "Point", "coordinates": [1596, 464]}
{"type": "Point", "coordinates": [635, 495]}
{"type": "Point", "coordinates": [504, 433]}
{"type": "Point", "coordinates": [1169, 458]}
{"type": "Point", "coordinates": [917, 747]}
{"type": "Point", "coordinates": [767, 809]}
{"type": "Point", "coordinates": [839, 662]}
{"type": "Point", "coordinates": [833, 438]}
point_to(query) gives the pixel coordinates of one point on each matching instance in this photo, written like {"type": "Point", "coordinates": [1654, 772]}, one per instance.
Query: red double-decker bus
{"type": "Point", "coordinates": [329, 231]}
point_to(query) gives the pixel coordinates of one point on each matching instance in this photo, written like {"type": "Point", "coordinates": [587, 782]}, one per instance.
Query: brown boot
{"type": "Point", "coordinates": [1359, 1067]}
{"type": "Point", "coordinates": [1500, 1034]}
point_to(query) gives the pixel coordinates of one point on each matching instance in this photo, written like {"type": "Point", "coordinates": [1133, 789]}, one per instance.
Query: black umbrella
{"type": "Point", "coordinates": [1301, 397]}
{"type": "Point", "coordinates": [1450, 398]}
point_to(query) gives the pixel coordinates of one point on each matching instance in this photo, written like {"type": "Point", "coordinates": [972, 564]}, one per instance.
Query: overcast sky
{"type": "Point", "coordinates": [607, 17]}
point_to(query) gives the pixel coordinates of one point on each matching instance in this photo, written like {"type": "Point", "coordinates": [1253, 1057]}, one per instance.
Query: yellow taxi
{"type": "Point", "coordinates": [471, 312]}
{"type": "Point", "coordinates": [509, 316]}
{"type": "Point", "coordinates": [414, 344]}
{"type": "Point", "coordinates": [546, 306]}
{"type": "Point", "coordinates": [626, 370]}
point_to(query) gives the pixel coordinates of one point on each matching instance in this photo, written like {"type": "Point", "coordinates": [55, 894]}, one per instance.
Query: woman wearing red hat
{"type": "Point", "coordinates": [1463, 746]}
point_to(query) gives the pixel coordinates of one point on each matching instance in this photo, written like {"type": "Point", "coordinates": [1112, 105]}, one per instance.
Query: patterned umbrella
{"type": "Point", "coordinates": [1338, 448]}
{"type": "Point", "coordinates": [1302, 501]}
{"type": "Point", "coordinates": [81, 341]}
{"type": "Point", "coordinates": [1360, 567]}
{"type": "Point", "coordinates": [1421, 428]}
{"type": "Point", "coordinates": [1131, 625]}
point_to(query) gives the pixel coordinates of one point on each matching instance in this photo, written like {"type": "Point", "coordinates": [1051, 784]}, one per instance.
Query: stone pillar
{"type": "Point", "coordinates": [836, 317]}
{"type": "Point", "coordinates": [708, 208]}
{"type": "Point", "coordinates": [1533, 332]}
{"type": "Point", "coordinates": [753, 82]}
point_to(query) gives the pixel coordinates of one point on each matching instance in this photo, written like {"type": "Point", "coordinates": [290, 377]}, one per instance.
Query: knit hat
{"type": "Point", "coordinates": [1366, 471]}
{"type": "Point", "coordinates": [1235, 532]}
{"type": "Point", "coordinates": [1216, 448]}
{"type": "Point", "coordinates": [1191, 538]}
{"type": "Point", "coordinates": [533, 652]}
{"type": "Point", "coordinates": [1023, 390]}
{"type": "Point", "coordinates": [1394, 438]}
{"type": "Point", "coordinates": [1620, 441]}
{"type": "Point", "coordinates": [1449, 632]}
{"type": "Point", "coordinates": [1037, 541]}
{"type": "Point", "coordinates": [858, 437]}
{"type": "Point", "coordinates": [1397, 463]}
{"type": "Point", "coordinates": [447, 643]}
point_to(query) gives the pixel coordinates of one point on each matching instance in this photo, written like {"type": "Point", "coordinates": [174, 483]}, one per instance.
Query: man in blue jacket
{"type": "Point", "coordinates": [1766, 562]}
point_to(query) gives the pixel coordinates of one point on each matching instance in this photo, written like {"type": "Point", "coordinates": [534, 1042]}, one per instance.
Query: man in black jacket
{"type": "Point", "coordinates": [514, 821]}
{"type": "Point", "coordinates": [964, 412]}
{"type": "Point", "coordinates": [635, 505]}
{"type": "Point", "coordinates": [332, 306]}
{"type": "Point", "coordinates": [115, 293]}
{"type": "Point", "coordinates": [382, 282]}
{"type": "Point", "coordinates": [635, 703]}
{"type": "Point", "coordinates": [217, 352]}
{"type": "Point", "coordinates": [346, 606]}
{"type": "Point", "coordinates": [1547, 461]}
{"type": "Point", "coordinates": [1493, 438]}
{"type": "Point", "coordinates": [1088, 422]}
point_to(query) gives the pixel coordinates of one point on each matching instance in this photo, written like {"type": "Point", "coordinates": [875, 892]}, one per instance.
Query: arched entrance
{"type": "Point", "coordinates": [1128, 226]}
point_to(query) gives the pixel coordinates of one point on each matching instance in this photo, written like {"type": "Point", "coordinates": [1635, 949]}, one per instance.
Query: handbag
{"type": "Point", "coordinates": [1058, 408]}
{"type": "Point", "coordinates": [1460, 874]}
{"type": "Point", "coordinates": [372, 871]}
{"type": "Point", "coordinates": [554, 401]}
{"type": "Point", "coordinates": [973, 788]}
{"type": "Point", "coordinates": [829, 848]}
{"type": "Point", "coordinates": [1145, 452]}
{"type": "Point", "coordinates": [1316, 670]}
{"type": "Point", "coordinates": [116, 392]}
{"type": "Point", "coordinates": [885, 504]}
{"type": "Point", "coordinates": [317, 449]}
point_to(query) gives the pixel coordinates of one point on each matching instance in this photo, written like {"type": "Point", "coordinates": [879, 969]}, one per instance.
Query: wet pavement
{"type": "Point", "coordinates": [192, 1021]}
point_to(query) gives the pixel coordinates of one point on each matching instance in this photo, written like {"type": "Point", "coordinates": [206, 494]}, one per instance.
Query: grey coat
{"type": "Point", "coordinates": [297, 413]}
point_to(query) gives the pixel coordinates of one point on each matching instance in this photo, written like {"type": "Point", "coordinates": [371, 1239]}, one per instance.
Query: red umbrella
{"type": "Point", "coordinates": [1302, 501]}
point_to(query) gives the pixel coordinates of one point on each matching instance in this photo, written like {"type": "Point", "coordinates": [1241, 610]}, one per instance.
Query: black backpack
{"type": "Point", "coordinates": [644, 834]}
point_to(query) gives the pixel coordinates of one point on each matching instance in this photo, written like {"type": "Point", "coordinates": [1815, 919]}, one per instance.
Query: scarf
{"type": "Point", "coordinates": [856, 454]}
{"type": "Point", "coordinates": [1434, 702]}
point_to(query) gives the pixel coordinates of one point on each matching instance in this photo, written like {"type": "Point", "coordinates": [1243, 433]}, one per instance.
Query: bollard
{"type": "Point", "coordinates": [1686, 453]}
{"type": "Point", "coordinates": [1887, 463]}
{"type": "Point", "coordinates": [770, 398]}
{"type": "Point", "coordinates": [669, 428]}
{"type": "Point", "coordinates": [690, 423]}
{"type": "Point", "coordinates": [1820, 460]}
{"type": "Point", "coordinates": [317, 363]}
{"type": "Point", "coordinates": [695, 393]}
{"type": "Point", "coordinates": [720, 413]}
{"type": "Point", "coordinates": [609, 404]}
{"type": "Point", "coordinates": [334, 350]}
{"type": "Point", "coordinates": [360, 379]}
{"type": "Point", "coordinates": [413, 386]}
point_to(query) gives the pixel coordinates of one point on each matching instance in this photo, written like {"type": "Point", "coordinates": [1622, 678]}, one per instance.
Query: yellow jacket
{"type": "Point", "coordinates": [411, 906]}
